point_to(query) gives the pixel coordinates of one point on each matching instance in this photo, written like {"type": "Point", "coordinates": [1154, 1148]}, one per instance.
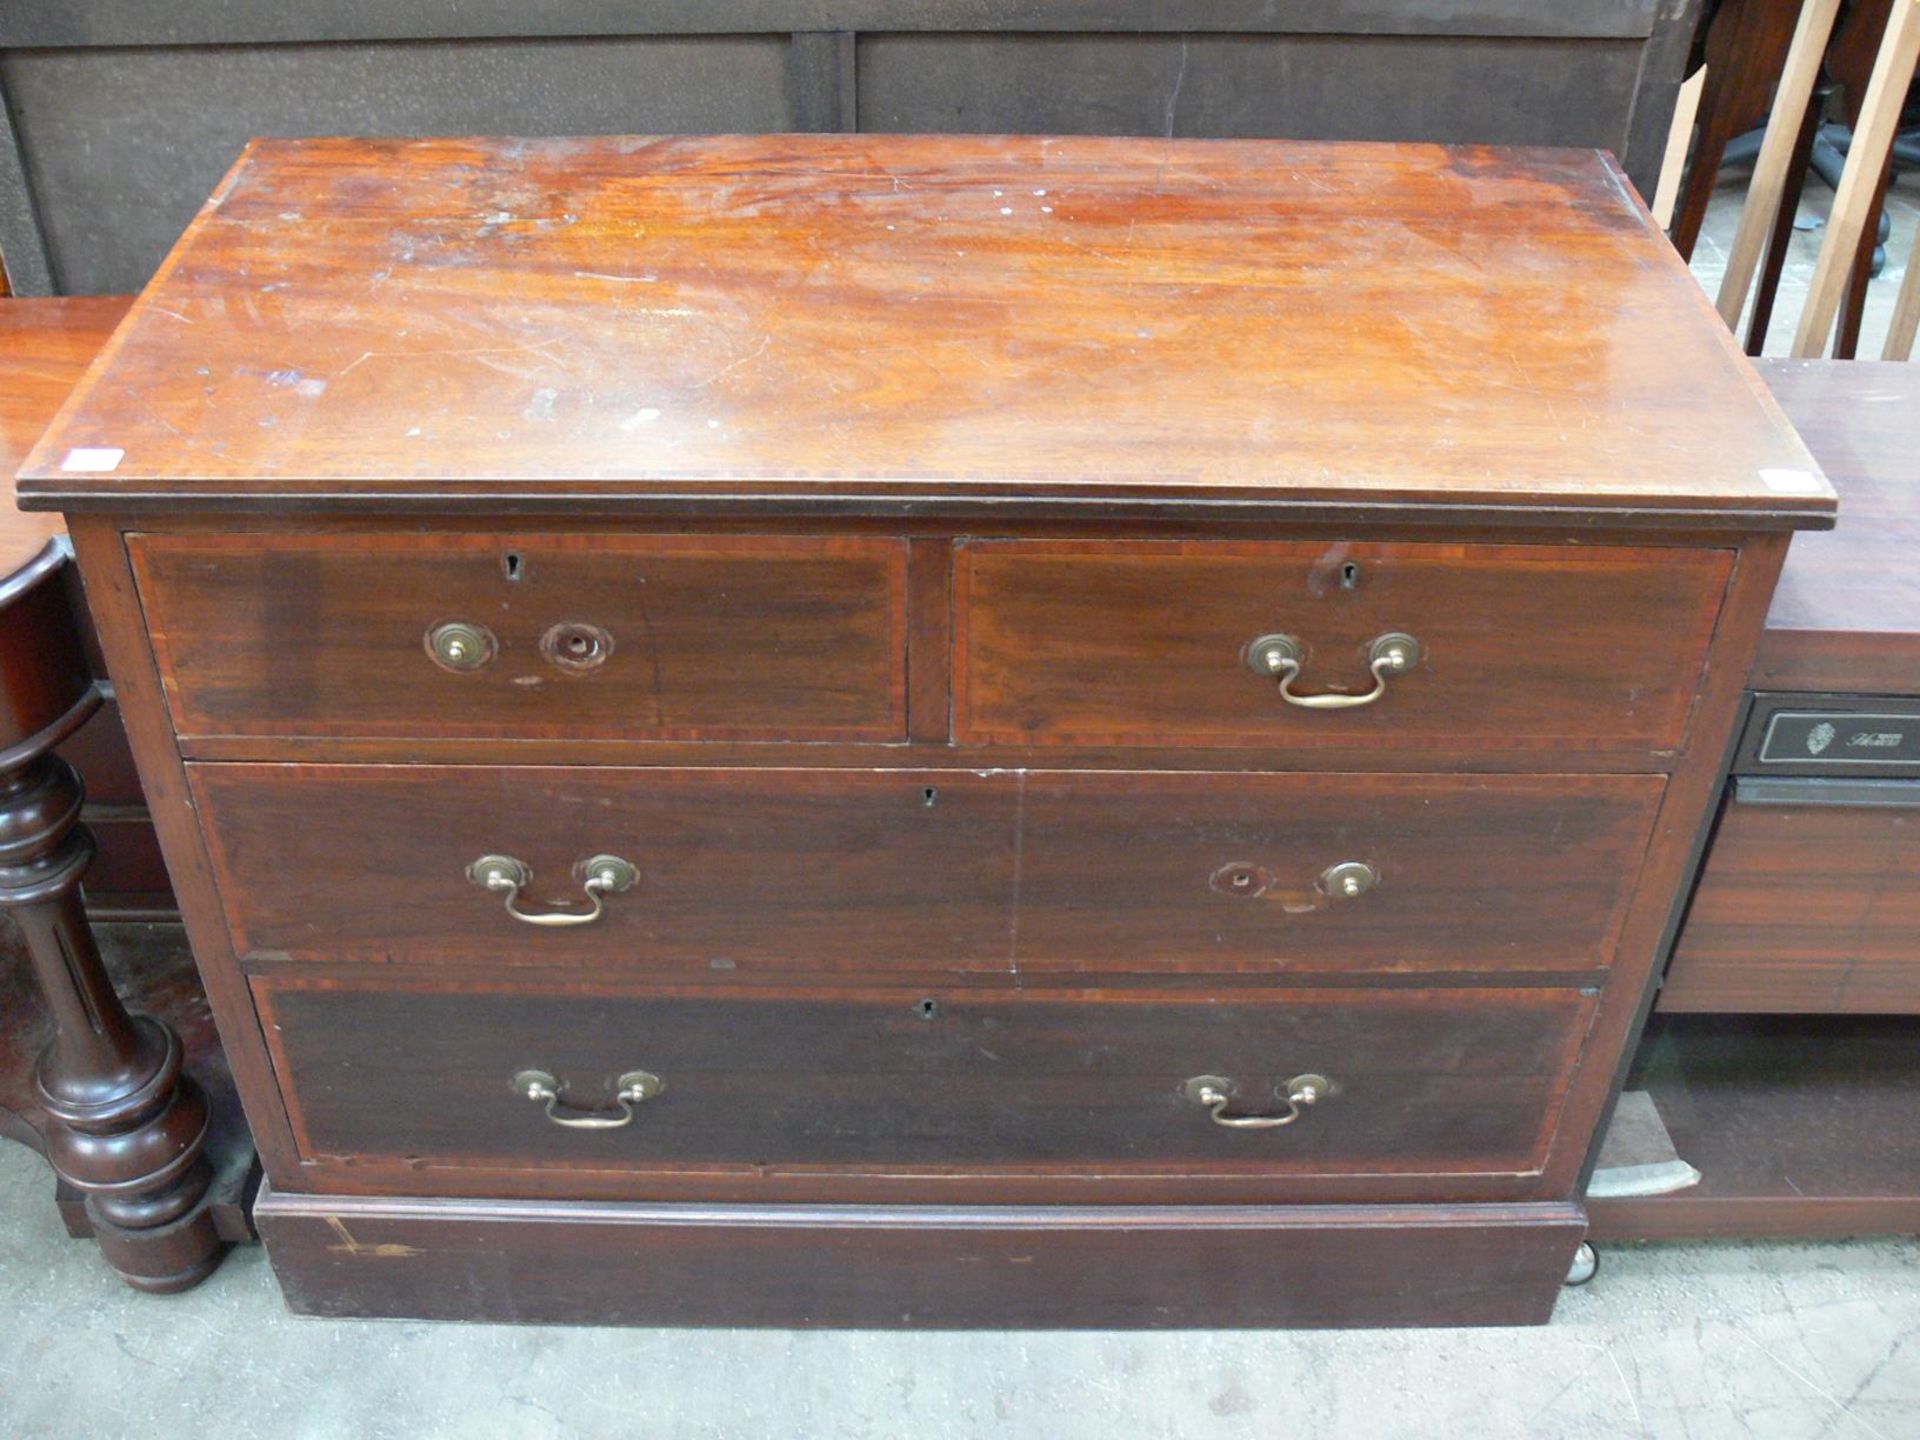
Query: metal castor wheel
{"type": "Point", "coordinates": [1586, 1264]}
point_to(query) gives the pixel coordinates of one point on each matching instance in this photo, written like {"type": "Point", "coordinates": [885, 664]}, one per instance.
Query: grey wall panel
{"type": "Point", "coordinates": [59, 23]}
{"type": "Point", "coordinates": [1303, 87]}
{"type": "Point", "coordinates": [23, 250]}
{"type": "Point", "coordinates": [122, 146]}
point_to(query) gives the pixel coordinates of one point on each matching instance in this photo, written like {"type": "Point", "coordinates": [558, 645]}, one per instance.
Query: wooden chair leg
{"type": "Point", "coordinates": [1673, 161]}
{"type": "Point", "coordinates": [1906, 313]}
{"type": "Point", "coordinates": [1853, 305]}
{"type": "Point", "coordinates": [1702, 174]}
{"type": "Point", "coordinates": [1780, 242]}
{"type": "Point", "coordinates": [1785, 124]}
{"type": "Point", "coordinates": [1872, 139]}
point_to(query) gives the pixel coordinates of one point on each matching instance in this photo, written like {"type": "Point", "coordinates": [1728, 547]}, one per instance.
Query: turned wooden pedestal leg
{"type": "Point", "coordinates": [119, 1121]}
{"type": "Point", "coordinates": [125, 1126]}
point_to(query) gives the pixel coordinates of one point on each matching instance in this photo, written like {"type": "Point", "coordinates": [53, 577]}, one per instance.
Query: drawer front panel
{"type": "Point", "coordinates": [1520, 647]}
{"type": "Point", "coordinates": [599, 637]}
{"type": "Point", "coordinates": [946, 870]}
{"type": "Point", "coordinates": [1444, 1082]}
{"type": "Point", "coordinates": [1809, 902]}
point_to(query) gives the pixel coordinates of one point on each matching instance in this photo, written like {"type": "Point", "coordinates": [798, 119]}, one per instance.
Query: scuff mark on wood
{"type": "Point", "coordinates": [350, 1246]}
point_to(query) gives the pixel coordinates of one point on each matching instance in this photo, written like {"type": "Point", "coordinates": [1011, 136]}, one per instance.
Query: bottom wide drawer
{"type": "Point", "coordinates": [1307, 1082]}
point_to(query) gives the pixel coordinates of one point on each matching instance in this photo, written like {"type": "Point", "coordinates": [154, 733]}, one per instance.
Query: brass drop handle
{"type": "Point", "coordinates": [634, 1087]}
{"type": "Point", "coordinates": [1216, 1093]}
{"type": "Point", "coordinates": [504, 875]}
{"type": "Point", "coordinates": [1394, 653]}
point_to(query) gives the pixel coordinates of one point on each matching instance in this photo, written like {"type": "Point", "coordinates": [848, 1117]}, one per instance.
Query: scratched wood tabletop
{"type": "Point", "coordinates": [1847, 613]}
{"type": "Point", "coordinates": [44, 347]}
{"type": "Point", "coordinates": [879, 315]}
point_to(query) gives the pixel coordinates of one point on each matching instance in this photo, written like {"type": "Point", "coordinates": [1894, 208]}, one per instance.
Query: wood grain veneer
{"type": "Point", "coordinates": [1454, 1082]}
{"type": "Point", "coordinates": [693, 637]}
{"type": "Point", "coordinates": [1522, 646]}
{"type": "Point", "coordinates": [873, 317]}
{"type": "Point", "coordinates": [746, 871]}
{"type": "Point", "coordinates": [1105, 1266]}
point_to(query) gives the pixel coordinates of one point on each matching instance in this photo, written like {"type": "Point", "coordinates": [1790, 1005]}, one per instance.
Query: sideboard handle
{"type": "Point", "coordinates": [1394, 653]}
{"type": "Point", "coordinates": [636, 1086]}
{"type": "Point", "coordinates": [1216, 1093]}
{"type": "Point", "coordinates": [602, 875]}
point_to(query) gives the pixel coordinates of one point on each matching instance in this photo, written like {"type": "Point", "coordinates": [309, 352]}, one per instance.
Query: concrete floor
{"type": "Point", "coordinates": [1789, 1342]}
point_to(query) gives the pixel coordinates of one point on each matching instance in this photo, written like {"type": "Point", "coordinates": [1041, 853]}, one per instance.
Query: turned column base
{"type": "Point", "coordinates": [124, 1125]}
{"type": "Point", "coordinates": [166, 1259]}
{"type": "Point", "coordinates": [137, 1152]}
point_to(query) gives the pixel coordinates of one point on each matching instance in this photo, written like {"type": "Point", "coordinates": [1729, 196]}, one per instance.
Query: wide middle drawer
{"type": "Point", "coordinates": [996, 871]}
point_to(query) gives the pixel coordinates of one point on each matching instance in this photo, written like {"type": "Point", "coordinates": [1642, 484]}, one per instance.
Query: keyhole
{"type": "Point", "coordinates": [928, 1009]}
{"type": "Point", "coordinates": [1350, 576]}
{"type": "Point", "coordinates": [579, 644]}
{"type": "Point", "coordinates": [510, 564]}
{"type": "Point", "coordinates": [929, 795]}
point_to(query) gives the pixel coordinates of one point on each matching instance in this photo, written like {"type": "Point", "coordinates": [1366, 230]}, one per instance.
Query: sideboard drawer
{"type": "Point", "coordinates": [1809, 902]}
{"type": "Point", "coordinates": [1517, 647]}
{"type": "Point", "coordinates": [1423, 1081]}
{"type": "Point", "coordinates": [788, 869]}
{"type": "Point", "coordinates": [528, 635]}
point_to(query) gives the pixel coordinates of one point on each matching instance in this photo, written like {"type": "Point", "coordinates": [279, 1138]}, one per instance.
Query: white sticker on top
{"type": "Point", "coordinates": [93, 460]}
{"type": "Point", "coordinates": [1791, 482]}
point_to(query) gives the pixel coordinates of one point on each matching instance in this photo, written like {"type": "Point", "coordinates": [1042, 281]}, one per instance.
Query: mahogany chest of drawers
{"type": "Point", "coordinates": [886, 731]}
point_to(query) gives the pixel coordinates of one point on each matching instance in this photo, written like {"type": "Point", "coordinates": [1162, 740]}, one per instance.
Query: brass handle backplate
{"type": "Point", "coordinates": [1216, 1093]}
{"type": "Point", "coordinates": [1244, 880]}
{"type": "Point", "coordinates": [1348, 880]}
{"type": "Point", "coordinates": [634, 1087]}
{"type": "Point", "coordinates": [459, 645]}
{"type": "Point", "coordinates": [601, 875]}
{"type": "Point", "coordinates": [1281, 656]}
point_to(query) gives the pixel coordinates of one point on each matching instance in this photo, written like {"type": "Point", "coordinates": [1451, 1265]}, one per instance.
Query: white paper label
{"type": "Point", "coordinates": [1791, 482]}
{"type": "Point", "coordinates": [93, 460]}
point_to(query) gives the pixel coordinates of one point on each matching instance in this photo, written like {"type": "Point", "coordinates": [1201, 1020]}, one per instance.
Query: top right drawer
{"type": "Point", "coordinates": [1469, 648]}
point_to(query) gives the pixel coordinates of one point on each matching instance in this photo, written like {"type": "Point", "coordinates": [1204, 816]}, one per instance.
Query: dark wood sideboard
{"type": "Point", "coordinates": [1784, 1054]}
{"type": "Point", "coordinates": [891, 731]}
{"type": "Point", "coordinates": [44, 349]}
{"type": "Point", "coordinates": [109, 1064]}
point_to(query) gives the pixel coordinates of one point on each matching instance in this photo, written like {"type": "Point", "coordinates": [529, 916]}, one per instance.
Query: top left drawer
{"type": "Point", "coordinates": [532, 636]}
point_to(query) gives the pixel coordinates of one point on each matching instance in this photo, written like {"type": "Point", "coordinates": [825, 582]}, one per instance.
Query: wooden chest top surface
{"type": "Point", "coordinates": [873, 319]}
